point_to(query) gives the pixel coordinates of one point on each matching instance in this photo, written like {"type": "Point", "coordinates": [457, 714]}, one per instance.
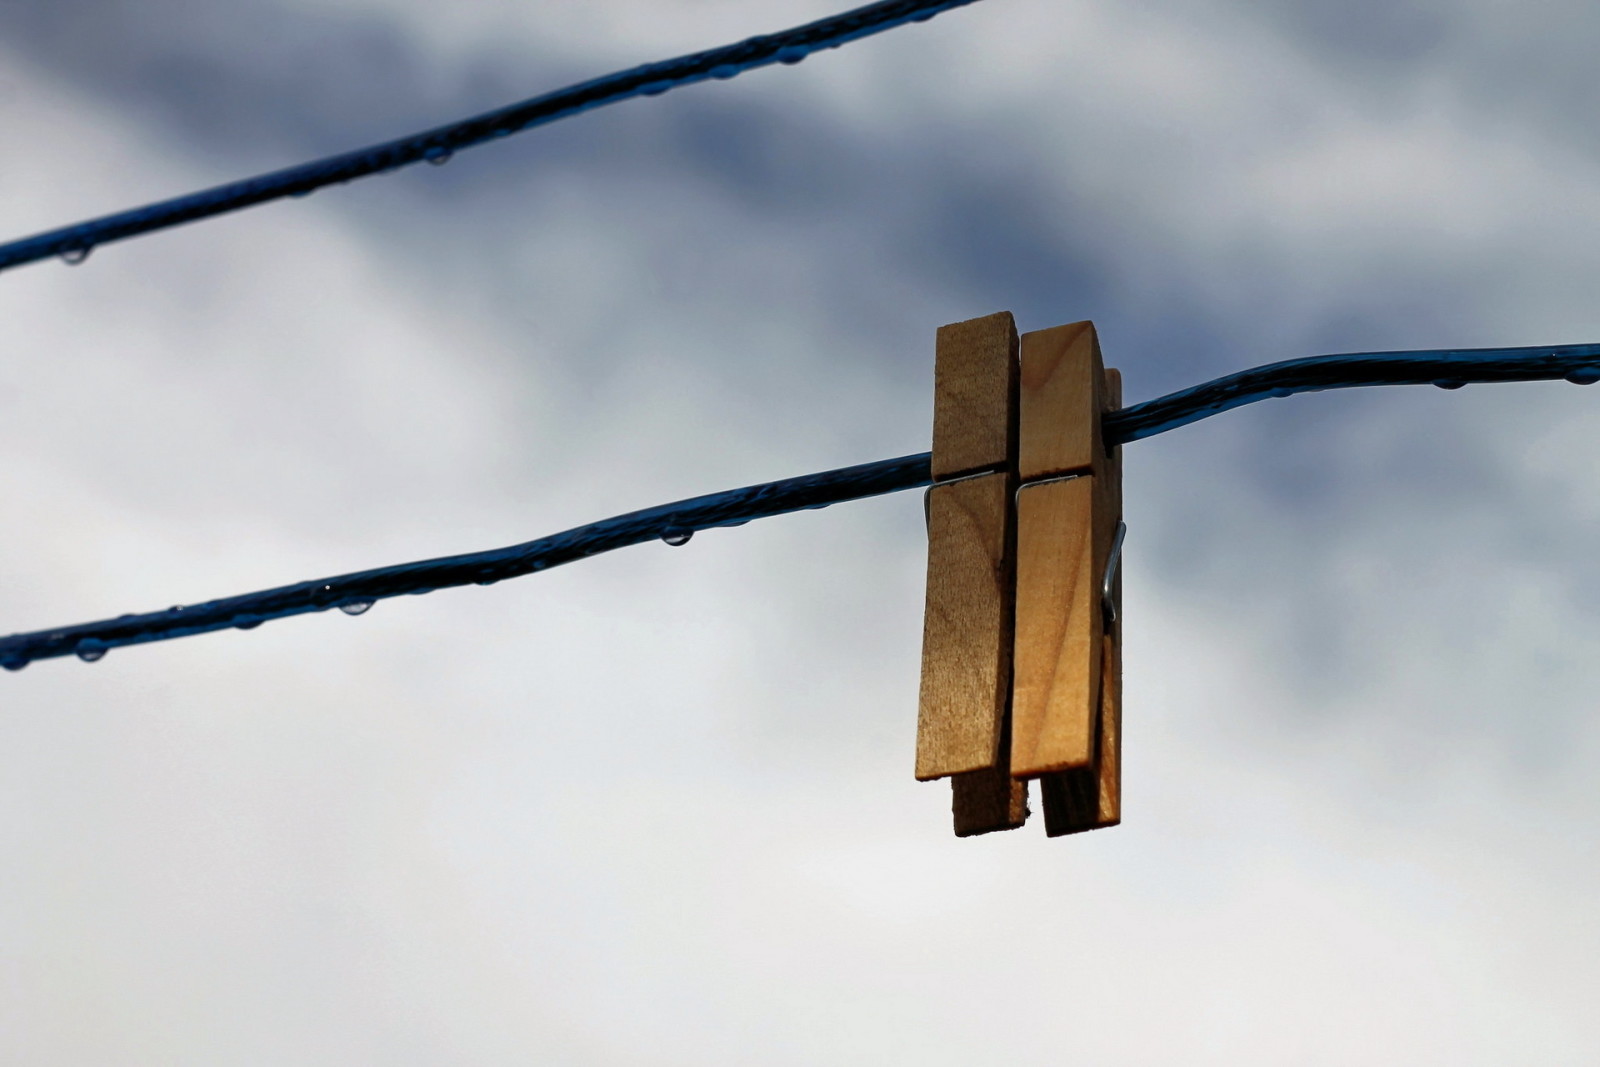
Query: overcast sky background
{"type": "Point", "coordinates": [657, 808]}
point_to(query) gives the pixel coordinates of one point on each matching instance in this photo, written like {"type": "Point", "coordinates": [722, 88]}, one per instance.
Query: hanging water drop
{"type": "Point", "coordinates": [356, 607]}
{"type": "Point", "coordinates": [1281, 393]}
{"type": "Point", "coordinates": [1449, 383]}
{"type": "Point", "coordinates": [791, 54]}
{"type": "Point", "coordinates": [654, 88]}
{"type": "Point", "coordinates": [1584, 375]}
{"type": "Point", "coordinates": [76, 254]}
{"type": "Point", "coordinates": [302, 193]}
{"type": "Point", "coordinates": [14, 663]}
{"type": "Point", "coordinates": [246, 622]}
{"type": "Point", "coordinates": [438, 155]}
{"type": "Point", "coordinates": [90, 650]}
{"type": "Point", "coordinates": [676, 536]}
{"type": "Point", "coordinates": [724, 71]}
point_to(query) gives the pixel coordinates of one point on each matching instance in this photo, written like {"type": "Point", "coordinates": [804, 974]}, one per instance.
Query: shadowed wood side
{"type": "Point", "coordinates": [986, 801]}
{"type": "Point", "coordinates": [1111, 665]}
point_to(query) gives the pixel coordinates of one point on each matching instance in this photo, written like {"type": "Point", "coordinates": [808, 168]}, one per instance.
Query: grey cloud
{"type": "Point", "coordinates": [657, 808]}
{"type": "Point", "coordinates": [719, 195]}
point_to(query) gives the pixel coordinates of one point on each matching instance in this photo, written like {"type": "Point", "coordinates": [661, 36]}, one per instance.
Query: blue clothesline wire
{"type": "Point", "coordinates": [676, 523]}
{"type": "Point", "coordinates": [74, 243]}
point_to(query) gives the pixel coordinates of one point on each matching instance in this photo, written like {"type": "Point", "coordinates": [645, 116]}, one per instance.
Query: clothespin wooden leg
{"type": "Point", "coordinates": [1066, 662]}
{"type": "Point", "coordinates": [1076, 800]}
{"type": "Point", "coordinates": [1022, 652]}
{"type": "Point", "coordinates": [962, 724]}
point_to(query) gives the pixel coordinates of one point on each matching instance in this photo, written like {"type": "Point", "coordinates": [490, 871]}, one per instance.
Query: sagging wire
{"type": "Point", "coordinates": [355, 593]}
{"type": "Point", "coordinates": [676, 523]}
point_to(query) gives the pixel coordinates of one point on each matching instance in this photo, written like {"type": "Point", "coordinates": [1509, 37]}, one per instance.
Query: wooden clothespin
{"type": "Point", "coordinates": [1021, 656]}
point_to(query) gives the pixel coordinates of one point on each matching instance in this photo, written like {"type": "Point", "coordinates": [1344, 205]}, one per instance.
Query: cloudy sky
{"type": "Point", "coordinates": [657, 808]}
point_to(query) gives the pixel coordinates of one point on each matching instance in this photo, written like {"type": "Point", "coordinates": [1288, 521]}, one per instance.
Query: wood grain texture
{"type": "Point", "coordinates": [974, 396]}
{"type": "Point", "coordinates": [967, 627]}
{"type": "Point", "coordinates": [988, 800]}
{"type": "Point", "coordinates": [1061, 387]}
{"type": "Point", "coordinates": [1056, 652]}
{"type": "Point", "coordinates": [1091, 798]}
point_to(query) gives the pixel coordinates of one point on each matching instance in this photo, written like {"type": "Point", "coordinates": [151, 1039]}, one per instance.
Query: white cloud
{"type": "Point", "coordinates": [657, 807]}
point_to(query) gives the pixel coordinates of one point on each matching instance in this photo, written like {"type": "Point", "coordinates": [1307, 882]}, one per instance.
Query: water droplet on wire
{"type": "Point", "coordinates": [13, 663]}
{"type": "Point", "coordinates": [90, 650]}
{"type": "Point", "coordinates": [676, 536]}
{"type": "Point", "coordinates": [791, 54]}
{"type": "Point", "coordinates": [247, 622]}
{"type": "Point", "coordinates": [1449, 383]}
{"type": "Point", "coordinates": [300, 194]}
{"type": "Point", "coordinates": [1584, 375]}
{"type": "Point", "coordinates": [356, 607]}
{"type": "Point", "coordinates": [724, 70]}
{"type": "Point", "coordinates": [76, 254]}
{"type": "Point", "coordinates": [438, 155]}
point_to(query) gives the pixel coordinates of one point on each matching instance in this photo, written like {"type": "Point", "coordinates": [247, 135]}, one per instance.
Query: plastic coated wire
{"type": "Point", "coordinates": [675, 523]}
{"type": "Point", "coordinates": [74, 243]}
{"type": "Point", "coordinates": [1446, 368]}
